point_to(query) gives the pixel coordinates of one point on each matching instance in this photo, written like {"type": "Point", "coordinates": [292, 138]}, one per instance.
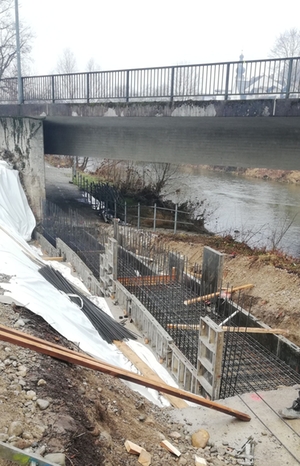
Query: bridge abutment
{"type": "Point", "coordinates": [22, 146]}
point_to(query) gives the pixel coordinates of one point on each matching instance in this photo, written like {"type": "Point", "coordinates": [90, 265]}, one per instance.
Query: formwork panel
{"type": "Point", "coordinates": [209, 367]}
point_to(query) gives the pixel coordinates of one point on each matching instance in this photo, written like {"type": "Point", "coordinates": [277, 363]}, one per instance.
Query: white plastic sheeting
{"type": "Point", "coordinates": [21, 281]}
{"type": "Point", "coordinates": [15, 212]}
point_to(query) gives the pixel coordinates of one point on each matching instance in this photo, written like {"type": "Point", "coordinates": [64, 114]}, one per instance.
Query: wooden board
{"type": "Point", "coordinates": [50, 258]}
{"type": "Point", "coordinates": [217, 293]}
{"type": "Point", "coordinates": [275, 331]}
{"type": "Point", "coordinates": [74, 357]}
{"type": "Point", "coordinates": [147, 371]}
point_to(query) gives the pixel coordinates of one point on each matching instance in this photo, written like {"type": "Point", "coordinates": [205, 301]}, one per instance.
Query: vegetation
{"type": "Point", "coordinates": [8, 55]}
{"type": "Point", "coordinates": [287, 44]}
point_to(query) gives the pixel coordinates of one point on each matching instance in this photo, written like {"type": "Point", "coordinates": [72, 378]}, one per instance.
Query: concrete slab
{"type": "Point", "coordinates": [277, 440]}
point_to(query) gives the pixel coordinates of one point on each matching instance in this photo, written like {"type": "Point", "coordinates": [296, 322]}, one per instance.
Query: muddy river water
{"type": "Point", "coordinates": [260, 212]}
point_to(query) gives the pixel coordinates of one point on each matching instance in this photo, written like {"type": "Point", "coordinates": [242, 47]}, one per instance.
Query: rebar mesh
{"type": "Point", "coordinates": [163, 283]}
{"type": "Point", "coordinates": [83, 237]}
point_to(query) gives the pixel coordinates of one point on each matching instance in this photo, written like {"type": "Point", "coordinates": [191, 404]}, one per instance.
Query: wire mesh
{"type": "Point", "coordinates": [83, 237]}
{"type": "Point", "coordinates": [163, 283]}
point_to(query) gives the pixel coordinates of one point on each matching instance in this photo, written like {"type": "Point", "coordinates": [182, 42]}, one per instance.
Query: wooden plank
{"type": "Point", "coordinates": [168, 446]}
{"type": "Point", "coordinates": [77, 358]}
{"type": "Point", "coordinates": [145, 458]}
{"type": "Point", "coordinates": [145, 280]}
{"type": "Point", "coordinates": [217, 293]}
{"type": "Point", "coordinates": [131, 355]}
{"type": "Point", "coordinates": [147, 371]}
{"type": "Point", "coordinates": [275, 331]}
{"type": "Point", "coordinates": [133, 448]}
{"type": "Point", "coordinates": [50, 258]}
{"type": "Point", "coordinates": [184, 326]}
{"type": "Point", "coordinates": [8, 452]}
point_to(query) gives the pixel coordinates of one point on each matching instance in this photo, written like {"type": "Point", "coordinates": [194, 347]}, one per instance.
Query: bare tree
{"type": "Point", "coordinates": [67, 65]}
{"type": "Point", "coordinates": [67, 62]}
{"type": "Point", "coordinates": [92, 65]}
{"type": "Point", "coordinates": [160, 175]}
{"type": "Point", "coordinates": [287, 44]}
{"type": "Point", "coordinates": [8, 51]}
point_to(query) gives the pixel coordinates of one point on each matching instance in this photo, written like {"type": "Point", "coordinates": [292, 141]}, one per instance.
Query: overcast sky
{"type": "Point", "coordinates": [121, 34]}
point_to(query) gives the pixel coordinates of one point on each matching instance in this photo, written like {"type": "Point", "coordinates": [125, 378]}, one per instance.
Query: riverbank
{"type": "Point", "coordinates": [282, 176]}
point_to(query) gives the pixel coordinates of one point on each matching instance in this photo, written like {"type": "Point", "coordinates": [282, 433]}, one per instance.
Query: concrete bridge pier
{"type": "Point", "coordinates": [22, 146]}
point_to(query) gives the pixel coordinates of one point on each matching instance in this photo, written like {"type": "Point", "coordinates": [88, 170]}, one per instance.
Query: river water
{"type": "Point", "coordinates": [259, 212]}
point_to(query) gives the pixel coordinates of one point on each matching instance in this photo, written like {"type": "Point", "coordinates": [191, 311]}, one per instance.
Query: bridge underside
{"type": "Point", "coordinates": [258, 142]}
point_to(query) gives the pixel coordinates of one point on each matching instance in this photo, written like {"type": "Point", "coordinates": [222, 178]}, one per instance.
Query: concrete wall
{"type": "Point", "coordinates": [22, 145]}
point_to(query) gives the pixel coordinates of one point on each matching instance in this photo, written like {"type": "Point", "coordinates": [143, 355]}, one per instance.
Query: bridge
{"type": "Point", "coordinates": [244, 113]}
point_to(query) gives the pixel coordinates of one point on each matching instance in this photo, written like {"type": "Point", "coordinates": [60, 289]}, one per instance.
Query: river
{"type": "Point", "coordinates": [259, 212]}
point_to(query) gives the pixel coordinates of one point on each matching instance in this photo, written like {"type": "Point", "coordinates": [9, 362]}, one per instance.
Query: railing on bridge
{"type": "Point", "coordinates": [279, 78]}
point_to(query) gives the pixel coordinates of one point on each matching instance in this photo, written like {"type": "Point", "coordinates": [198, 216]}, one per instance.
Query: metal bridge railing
{"type": "Point", "coordinates": [279, 78]}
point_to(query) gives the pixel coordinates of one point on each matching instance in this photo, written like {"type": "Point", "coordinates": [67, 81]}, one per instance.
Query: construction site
{"type": "Point", "coordinates": [224, 370]}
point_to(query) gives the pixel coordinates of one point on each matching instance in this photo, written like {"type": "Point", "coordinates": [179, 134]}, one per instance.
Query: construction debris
{"type": "Point", "coordinates": [246, 452]}
{"type": "Point", "coordinates": [168, 446]}
{"type": "Point", "coordinates": [145, 458]}
{"type": "Point", "coordinates": [18, 456]}
{"type": "Point", "coordinates": [133, 448]}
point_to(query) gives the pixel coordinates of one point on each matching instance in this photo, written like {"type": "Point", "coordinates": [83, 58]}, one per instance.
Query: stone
{"type": "Point", "coordinates": [42, 404]}
{"type": "Point", "coordinates": [175, 435]}
{"type": "Point", "coordinates": [200, 461]}
{"type": "Point", "coordinates": [30, 395]}
{"type": "Point", "coordinates": [38, 430]}
{"type": "Point", "coordinates": [41, 382]}
{"type": "Point", "coordinates": [200, 438]}
{"type": "Point", "coordinates": [182, 461]}
{"type": "Point", "coordinates": [105, 439]}
{"type": "Point", "coordinates": [20, 323]}
{"type": "Point", "coordinates": [22, 443]}
{"type": "Point", "coordinates": [57, 458]}
{"type": "Point", "coordinates": [16, 428]}
{"type": "Point", "coordinates": [64, 424]}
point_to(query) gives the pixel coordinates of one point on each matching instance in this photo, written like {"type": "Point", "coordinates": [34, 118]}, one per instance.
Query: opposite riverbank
{"type": "Point", "coordinates": [282, 176]}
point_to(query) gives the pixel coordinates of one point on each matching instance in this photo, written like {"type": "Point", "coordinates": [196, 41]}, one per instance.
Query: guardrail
{"type": "Point", "coordinates": [279, 78]}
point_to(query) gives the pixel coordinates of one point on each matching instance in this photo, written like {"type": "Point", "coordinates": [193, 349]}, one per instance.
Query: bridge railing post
{"type": "Point", "coordinates": [289, 78]}
{"type": "Point", "coordinates": [127, 85]}
{"type": "Point", "coordinates": [172, 84]}
{"type": "Point", "coordinates": [227, 81]}
{"type": "Point", "coordinates": [52, 89]}
{"type": "Point", "coordinates": [88, 87]}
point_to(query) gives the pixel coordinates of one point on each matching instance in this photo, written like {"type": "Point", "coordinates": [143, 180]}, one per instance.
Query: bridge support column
{"type": "Point", "coordinates": [22, 146]}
